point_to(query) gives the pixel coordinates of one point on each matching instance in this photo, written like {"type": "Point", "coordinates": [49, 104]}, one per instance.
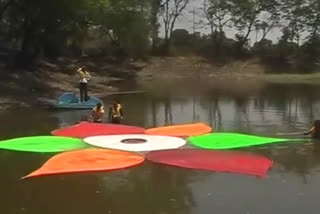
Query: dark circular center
{"type": "Point", "coordinates": [133, 141]}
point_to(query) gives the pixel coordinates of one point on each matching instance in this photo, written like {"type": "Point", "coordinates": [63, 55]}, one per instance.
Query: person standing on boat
{"type": "Point", "coordinates": [97, 113]}
{"type": "Point", "coordinates": [84, 78]}
{"type": "Point", "coordinates": [115, 113]}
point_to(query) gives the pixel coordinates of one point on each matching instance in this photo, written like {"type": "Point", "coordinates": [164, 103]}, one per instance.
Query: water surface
{"type": "Point", "coordinates": [292, 185]}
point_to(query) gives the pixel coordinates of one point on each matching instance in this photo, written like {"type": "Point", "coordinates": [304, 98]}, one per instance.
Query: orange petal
{"type": "Point", "coordinates": [88, 160]}
{"type": "Point", "coordinates": [185, 130]}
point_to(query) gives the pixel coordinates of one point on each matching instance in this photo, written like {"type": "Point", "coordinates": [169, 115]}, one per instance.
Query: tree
{"type": "Point", "coordinates": [36, 23]}
{"type": "Point", "coordinates": [311, 11]}
{"type": "Point", "coordinates": [294, 14]}
{"type": "Point", "coordinates": [155, 10]}
{"type": "Point", "coordinates": [269, 23]}
{"type": "Point", "coordinates": [127, 23]}
{"type": "Point", "coordinates": [218, 14]}
{"type": "Point", "coordinates": [46, 27]}
{"type": "Point", "coordinates": [170, 11]}
{"type": "Point", "coordinates": [247, 15]}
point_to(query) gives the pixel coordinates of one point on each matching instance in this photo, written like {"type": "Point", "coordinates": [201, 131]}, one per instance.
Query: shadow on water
{"type": "Point", "coordinates": [253, 108]}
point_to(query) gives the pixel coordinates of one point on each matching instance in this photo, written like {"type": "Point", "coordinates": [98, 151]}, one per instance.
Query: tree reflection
{"type": "Point", "coordinates": [259, 103]}
{"type": "Point", "coordinates": [168, 111]}
{"type": "Point", "coordinates": [154, 112]}
{"type": "Point", "coordinates": [215, 116]}
{"type": "Point", "coordinates": [166, 116]}
{"type": "Point", "coordinates": [241, 112]}
{"type": "Point", "coordinates": [194, 115]}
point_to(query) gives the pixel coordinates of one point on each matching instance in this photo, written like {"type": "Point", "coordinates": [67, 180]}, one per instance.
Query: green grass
{"type": "Point", "coordinates": [313, 78]}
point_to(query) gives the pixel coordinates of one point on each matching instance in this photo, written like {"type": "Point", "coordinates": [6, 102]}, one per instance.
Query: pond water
{"type": "Point", "coordinates": [291, 186]}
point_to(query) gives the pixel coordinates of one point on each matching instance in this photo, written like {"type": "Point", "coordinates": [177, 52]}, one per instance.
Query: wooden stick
{"type": "Point", "coordinates": [116, 93]}
{"type": "Point", "coordinates": [291, 134]}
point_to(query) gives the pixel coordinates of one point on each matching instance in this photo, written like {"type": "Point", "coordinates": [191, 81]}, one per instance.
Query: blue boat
{"type": "Point", "coordinates": [71, 101]}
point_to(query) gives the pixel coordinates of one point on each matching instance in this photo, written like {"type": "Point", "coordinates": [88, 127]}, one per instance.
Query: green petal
{"type": "Point", "coordinates": [232, 140]}
{"type": "Point", "coordinates": [43, 144]}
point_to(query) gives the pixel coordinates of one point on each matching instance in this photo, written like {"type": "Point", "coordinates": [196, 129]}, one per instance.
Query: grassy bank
{"type": "Point", "coordinates": [312, 79]}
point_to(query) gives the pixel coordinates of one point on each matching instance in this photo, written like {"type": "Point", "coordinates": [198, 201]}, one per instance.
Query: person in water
{"type": "Point", "coordinates": [84, 78]}
{"type": "Point", "coordinates": [115, 113]}
{"type": "Point", "coordinates": [315, 130]}
{"type": "Point", "coordinates": [97, 113]}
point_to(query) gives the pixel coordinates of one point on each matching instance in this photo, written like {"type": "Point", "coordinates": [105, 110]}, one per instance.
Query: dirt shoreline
{"type": "Point", "coordinates": [51, 78]}
{"type": "Point", "coordinates": [198, 67]}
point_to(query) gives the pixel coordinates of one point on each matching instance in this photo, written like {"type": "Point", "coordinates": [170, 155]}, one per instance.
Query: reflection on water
{"type": "Point", "coordinates": [291, 185]}
{"type": "Point", "coordinates": [67, 117]}
{"type": "Point", "coordinates": [278, 109]}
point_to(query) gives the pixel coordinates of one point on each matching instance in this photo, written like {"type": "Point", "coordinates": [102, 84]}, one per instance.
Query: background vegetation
{"type": "Point", "coordinates": [31, 29]}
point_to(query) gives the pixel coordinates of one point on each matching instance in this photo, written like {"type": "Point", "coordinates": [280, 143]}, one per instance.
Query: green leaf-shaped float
{"type": "Point", "coordinates": [43, 144]}
{"type": "Point", "coordinates": [220, 141]}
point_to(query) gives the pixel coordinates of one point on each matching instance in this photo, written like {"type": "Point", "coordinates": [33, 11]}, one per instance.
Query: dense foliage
{"type": "Point", "coordinates": [30, 29]}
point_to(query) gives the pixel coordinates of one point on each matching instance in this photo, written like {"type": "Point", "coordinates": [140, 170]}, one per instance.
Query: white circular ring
{"type": "Point", "coordinates": [150, 142]}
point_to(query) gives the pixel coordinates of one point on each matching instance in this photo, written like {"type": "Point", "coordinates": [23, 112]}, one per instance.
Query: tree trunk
{"type": "Point", "coordinates": [154, 22]}
{"type": "Point", "coordinates": [245, 38]}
